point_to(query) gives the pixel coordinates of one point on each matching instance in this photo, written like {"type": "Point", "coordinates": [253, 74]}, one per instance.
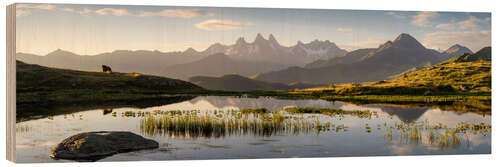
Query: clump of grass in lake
{"type": "Point", "coordinates": [21, 128]}
{"type": "Point", "coordinates": [435, 135]}
{"type": "Point", "coordinates": [132, 114]}
{"type": "Point", "coordinates": [459, 103]}
{"type": "Point", "coordinates": [329, 111]}
{"type": "Point", "coordinates": [254, 110]}
{"type": "Point", "coordinates": [368, 129]}
{"type": "Point", "coordinates": [476, 128]}
{"type": "Point", "coordinates": [128, 114]}
{"type": "Point", "coordinates": [293, 121]}
{"type": "Point", "coordinates": [224, 123]}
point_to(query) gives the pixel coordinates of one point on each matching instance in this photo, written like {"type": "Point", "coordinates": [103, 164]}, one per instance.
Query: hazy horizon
{"type": "Point", "coordinates": [94, 29]}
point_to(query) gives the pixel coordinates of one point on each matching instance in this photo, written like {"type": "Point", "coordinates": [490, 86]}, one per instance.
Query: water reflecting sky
{"type": "Point", "coordinates": [35, 138]}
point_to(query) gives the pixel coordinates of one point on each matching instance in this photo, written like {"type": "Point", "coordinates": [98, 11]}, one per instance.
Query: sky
{"type": "Point", "coordinates": [94, 29]}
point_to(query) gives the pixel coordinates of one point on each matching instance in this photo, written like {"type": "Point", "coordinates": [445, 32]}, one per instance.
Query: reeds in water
{"type": "Point", "coordinates": [230, 123]}
{"type": "Point", "coordinates": [329, 111]}
{"type": "Point", "coordinates": [292, 121]}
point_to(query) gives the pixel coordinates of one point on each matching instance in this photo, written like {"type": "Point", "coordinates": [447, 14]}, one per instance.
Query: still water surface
{"type": "Point", "coordinates": [376, 135]}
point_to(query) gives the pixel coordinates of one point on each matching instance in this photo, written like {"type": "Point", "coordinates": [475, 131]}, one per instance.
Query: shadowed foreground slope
{"type": "Point", "coordinates": [38, 84]}
{"type": "Point", "coordinates": [43, 91]}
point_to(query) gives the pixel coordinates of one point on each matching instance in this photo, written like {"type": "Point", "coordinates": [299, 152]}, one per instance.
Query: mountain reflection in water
{"type": "Point", "coordinates": [224, 132]}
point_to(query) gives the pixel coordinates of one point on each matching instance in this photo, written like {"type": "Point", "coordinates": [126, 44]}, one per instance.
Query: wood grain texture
{"type": "Point", "coordinates": [11, 83]}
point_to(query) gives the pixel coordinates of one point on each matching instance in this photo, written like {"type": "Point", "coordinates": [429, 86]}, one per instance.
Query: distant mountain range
{"type": "Point", "coordinates": [363, 65]}
{"type": "Point", "coordinates": [142, 61]}
{"type": "Point", "coordinates": [219, 64]}
{"type": "Point", "coordinates": [482, 55]}
{"type": "Point", "coordinates": [260, 52]}
{"type": "Point", "coordinates": [240, 83]}
{"type": "Point", "coordinates": [269, 50]}
{"type": "Point", "coordinates": [454, 51]}
{"type": "Point", "coordinates": [316, 62]}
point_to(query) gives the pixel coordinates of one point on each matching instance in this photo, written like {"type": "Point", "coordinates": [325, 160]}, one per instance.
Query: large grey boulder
{"type": "Point", "coordinates": [92, 146]}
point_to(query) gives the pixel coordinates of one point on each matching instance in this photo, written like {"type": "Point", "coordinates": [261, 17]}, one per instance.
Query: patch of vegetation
{"type": "Point", "coordinates": [462, 103]}
{"type": "Point", "coordinates": [328, 111]}
{"type": "Point", "coordinates": [217, 124]}
{"type": "Point", "coordinates": [449, 77]}
{"type": "Point", "coordinates": [211, 126]}
{"type": "Point", "coordinates": [254, 110]}
{"type": "Point", "coordinates": [443, 79]}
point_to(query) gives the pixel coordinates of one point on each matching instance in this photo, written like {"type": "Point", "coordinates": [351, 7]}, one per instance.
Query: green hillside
{"type": "Point", "coordinates": [463, 77]}
{"type": "Point", "coordinates": [465, 73]}
{"type": "Point", "coordinates": [462, 84]}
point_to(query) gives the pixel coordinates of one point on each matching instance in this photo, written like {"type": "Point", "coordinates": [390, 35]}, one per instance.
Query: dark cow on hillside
{"type": "Point", "coordinates": [106, 68]}
{"type": "Point", "coordinates": [107, 111]}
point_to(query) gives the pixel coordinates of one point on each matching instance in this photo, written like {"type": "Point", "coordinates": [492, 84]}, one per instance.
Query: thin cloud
{"type": "Point", "coordinates": [446, 26]}
{"type": "Point", "coordinates": [475, 40]}
{"type": "Point", "coordinates": [397, 15]}
{"type": "Point", "coordinates": [21, 13]}
{"type": "Point", "coordinates": [85, 11]}
{"type": "Point", "coordinates": [40, 6]}
{"type": "Point", "coordinates": [112, 11]}
{"type": "Point", "coordinates": [472, 23]}
{"type": "Point", "coordinates": [179, 13]}
{"type": "Point", "coordinates": [367, 43]}
{"type": "Point", "coordinates": [215, 25]}
{"type": "Point", "coordinates": [422, 19]}
{"type": "Point", "coordinates": [68, 10]}
{"type": "Point", "coordinates": [340, 29]}
{"type": "Point", "coordinates": [82, 12]}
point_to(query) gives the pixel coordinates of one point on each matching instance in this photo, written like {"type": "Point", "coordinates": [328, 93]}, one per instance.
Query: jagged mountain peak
{"type": "Point", "coordinates": [259, 38]}
{"type": "Point", "coordinates": [405, 40]}
{"type": "Point", "coordinates": [318, 44]}
{"type": "Point", "coordinates": [404, 36]}
{"type": "Point", "coordinates": [386, 45]}
{"type": "Point", "coordinates": [457, 48]}
{"type": "Point", "coordinates": [272, 39]}
{"type": "Point", "coordinates": [59, 52]}
{"type": "Point", "coordinates": [190, 51]}
{"type": "Point", "coordinates": [241, 40]}
{"type": "Point", "coordinates": [217, 44]}
{"type": "Point", "coordinates": [215, 48]}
